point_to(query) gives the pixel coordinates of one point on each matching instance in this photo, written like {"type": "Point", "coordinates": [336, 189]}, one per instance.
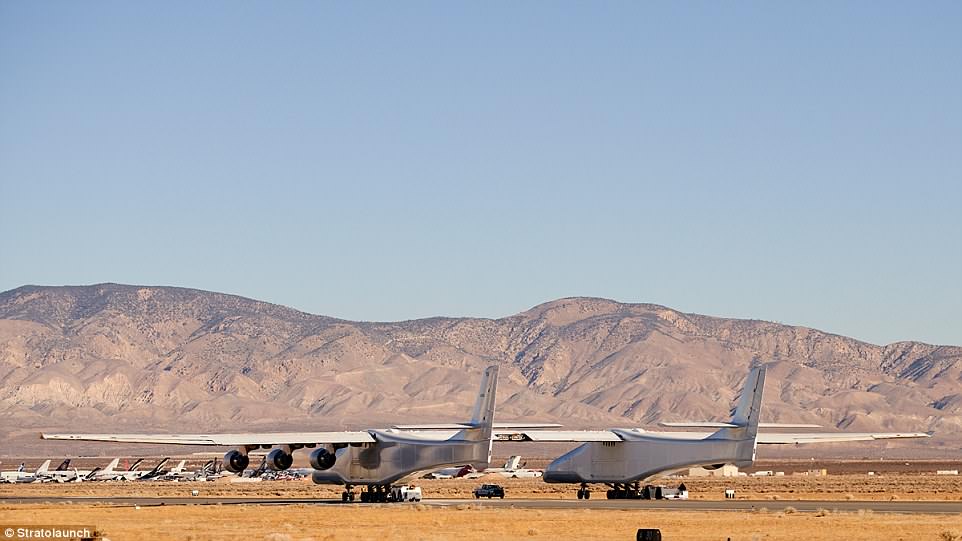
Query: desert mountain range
{"type": "Point", "coordinates": [112, 357]}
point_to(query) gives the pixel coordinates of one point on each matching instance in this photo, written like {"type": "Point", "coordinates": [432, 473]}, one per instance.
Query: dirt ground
{"type": "Point", "coordinates": [909, 486]}
{"type": "Point", "coordinates": [468, 522]}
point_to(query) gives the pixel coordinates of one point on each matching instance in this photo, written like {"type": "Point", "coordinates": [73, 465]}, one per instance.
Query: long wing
{"type": "Point", "coordinates": [251, 439]}
{"type": "Point", "coordinates": [767, 438]}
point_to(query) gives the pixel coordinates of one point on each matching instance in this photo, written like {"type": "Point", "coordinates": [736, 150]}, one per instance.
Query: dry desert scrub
{"type": "Point", "coordinates": [907, 487]}
{"type": "Point", "coordinates": [324, 522]}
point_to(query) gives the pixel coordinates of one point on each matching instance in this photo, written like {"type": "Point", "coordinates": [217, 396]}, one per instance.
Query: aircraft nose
{"type": "Point", "coordinates": [561, 477]}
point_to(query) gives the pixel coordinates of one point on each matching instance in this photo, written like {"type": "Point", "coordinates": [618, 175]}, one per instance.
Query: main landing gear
{"type": "Point", "coordinates": [376, 493]}
{"type": "Point", "coordinates": [626, 491]}
{"type": "Point", "coordinates": [348, 494]}
{"type": "Point", "coordinates": [620, 491]}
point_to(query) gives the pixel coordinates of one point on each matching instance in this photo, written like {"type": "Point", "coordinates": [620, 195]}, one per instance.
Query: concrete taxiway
{"type": "Point", "coordinates": [804, 506]}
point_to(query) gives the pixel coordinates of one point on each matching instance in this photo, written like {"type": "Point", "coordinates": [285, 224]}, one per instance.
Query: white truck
{"type": "Point", "coordinates": [405, 493]}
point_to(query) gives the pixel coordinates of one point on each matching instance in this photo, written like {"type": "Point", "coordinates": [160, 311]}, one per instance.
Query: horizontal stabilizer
{"type": "Point", "coordinates": [774, 438]}
{"type": "Point", "coordinates": [459, 426]}
{"type": "Point", "coordinates": [571, 435]}
{"type": "Point", "coordinates": [710, 424]}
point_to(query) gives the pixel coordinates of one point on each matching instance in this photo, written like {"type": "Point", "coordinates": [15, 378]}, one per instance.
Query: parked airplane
{"type": "Point", "coordinates": [132, 473]}
{"type": "Point", "coordinates": [456, 472]}
{"type": "Point", "coordinates": [514, 469]}
{"type": "Point", "coordinates": [20, 475]}
{"type": "Point", "coordinates": [100, 474]}
{"type": "Point", "coordinates": [210, 471]}
{"type": "Point", "coordinates": [61, 474]}
{"type": "Point", "coordinates": [179, 473]}
{"type": "Point", "coordinates": [154, 473]}
{"type": "Point", "coordinates": [624, 458]}
{"type": "Point", "coordinates": [106, 473]}
{"type": "Point", "coordinates": [371, 458]}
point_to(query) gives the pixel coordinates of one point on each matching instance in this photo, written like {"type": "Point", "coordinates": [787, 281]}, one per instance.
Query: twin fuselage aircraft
{"type": "Point", "coordinates": [619, 458]}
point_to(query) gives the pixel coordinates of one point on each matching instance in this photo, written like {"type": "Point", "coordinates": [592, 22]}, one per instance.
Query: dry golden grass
{"type": "Point", "coordinates": [468, 522]}
{"type": "Point", "coordinates": [904, 487]}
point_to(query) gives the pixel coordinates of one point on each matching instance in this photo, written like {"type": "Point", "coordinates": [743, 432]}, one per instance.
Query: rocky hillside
{"type": "Point", "coordinates": [130, 358]}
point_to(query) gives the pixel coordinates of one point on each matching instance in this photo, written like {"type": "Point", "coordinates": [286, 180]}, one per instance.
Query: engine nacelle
{"type": "Point", "coordinates": [712, 466]}
{"type": "Point", "coordinates": [322, 459]}
{"type": "Point", "coordinates": [235, 461]}
{"type": "Point", "coordinates": [279, 459]}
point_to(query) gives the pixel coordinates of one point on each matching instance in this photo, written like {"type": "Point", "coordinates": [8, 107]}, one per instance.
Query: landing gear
{"type": "Point", "coordinates": [584, 493]}
{"type": "Point", "coordinates": [348, 494]}
{"type": "Point", "coordinates": [376, 494]}
{"type": "Point", "coordinates": [625, 491]}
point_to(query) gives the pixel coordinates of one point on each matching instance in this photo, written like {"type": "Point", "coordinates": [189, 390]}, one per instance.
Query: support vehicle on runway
{"type": "Point", "coordinates": [405, 493]}
{"type": "Point", "coordinates": [489, 491]}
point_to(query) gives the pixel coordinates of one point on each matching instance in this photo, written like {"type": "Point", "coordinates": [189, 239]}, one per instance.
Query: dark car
{"type": "Point", "coordinates": [489, 491]}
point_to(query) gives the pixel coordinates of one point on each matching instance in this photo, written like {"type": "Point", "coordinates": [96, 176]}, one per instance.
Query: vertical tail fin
{"type": "Point", "coordinates": [110, 467]}
{"type": "Point", "coordinates": [746, 414]}
{"type": "Point", "coordinates": [483, 416]}
{"type": "Point", "coordinates": [160, 465]}
{"type": "Point", "coordinates": [43, 467]}
{"type": "Point", "coordinates": [180, 467]}
{"type": "Point", "coordinates": [482, 420]}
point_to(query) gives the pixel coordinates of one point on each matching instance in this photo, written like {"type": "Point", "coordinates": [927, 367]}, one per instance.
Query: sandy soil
{"type": "Point", "coordinates": [467, 522]}
{"type": "Point", "coordinates": [831, 487]}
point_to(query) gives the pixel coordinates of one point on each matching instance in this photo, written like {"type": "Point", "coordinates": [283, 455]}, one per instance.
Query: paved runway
{"type": "Point", "coordinates": [932, 507]}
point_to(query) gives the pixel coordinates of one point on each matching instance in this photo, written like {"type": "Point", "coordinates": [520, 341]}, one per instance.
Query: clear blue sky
{"type": "Point", "coordinates": [797, 162]}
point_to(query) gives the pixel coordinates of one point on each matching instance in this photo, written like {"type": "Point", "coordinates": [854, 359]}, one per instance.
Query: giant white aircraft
{"type": "Point", "coordinates": [624, 458]}
{"type": "Point", "coordinates": [371, 458]}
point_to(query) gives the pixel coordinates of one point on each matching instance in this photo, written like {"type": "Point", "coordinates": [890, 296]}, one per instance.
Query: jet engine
{"type": "Point", "coordinates": [235, 461]}
{"type": "Point", "coordinates": [322, 459]}
{"type": "Point", "coordinates": [279, 459]}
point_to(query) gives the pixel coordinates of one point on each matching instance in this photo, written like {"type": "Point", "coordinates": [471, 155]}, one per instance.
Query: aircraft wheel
{"type": "Point", "coordinates": [587, 494]}
{"type": "Point", "coordinates": [344, 496]}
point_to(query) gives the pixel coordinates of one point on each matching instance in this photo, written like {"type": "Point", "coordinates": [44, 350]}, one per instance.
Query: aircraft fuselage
{"type": "Point", "coordinates": [642, 458]}
{"type": "Point", "coordinates": [396, 456]}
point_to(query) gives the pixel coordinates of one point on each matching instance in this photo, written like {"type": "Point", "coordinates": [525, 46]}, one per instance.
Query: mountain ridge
{"type": "Point", "coordinates": [122, 355]}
